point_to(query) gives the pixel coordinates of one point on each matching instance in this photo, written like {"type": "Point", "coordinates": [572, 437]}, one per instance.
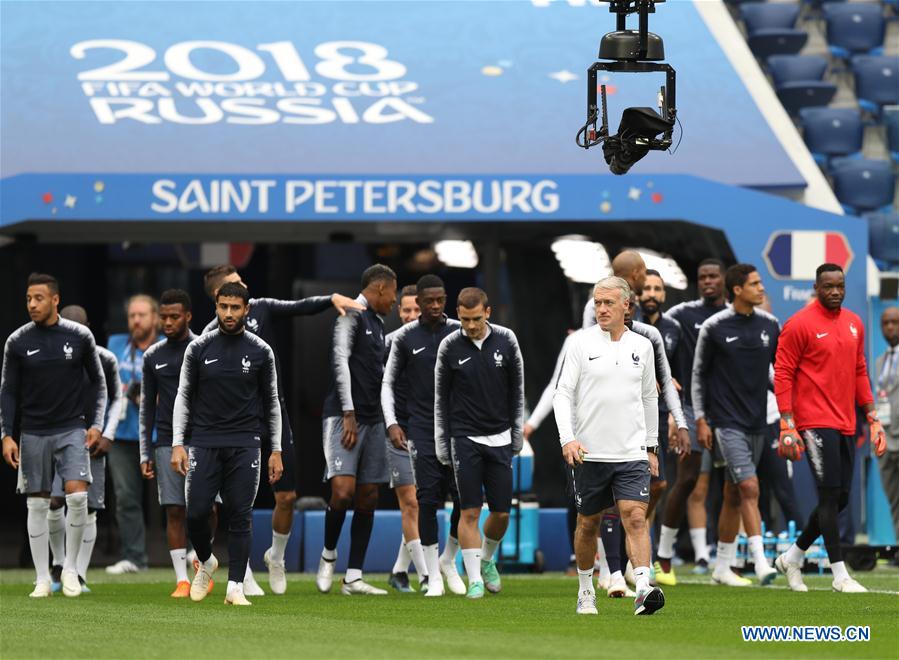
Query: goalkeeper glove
{"type": "Point", "coordinates": [789, 445]}
{"type": "Point", "coordinates": [878, 437]}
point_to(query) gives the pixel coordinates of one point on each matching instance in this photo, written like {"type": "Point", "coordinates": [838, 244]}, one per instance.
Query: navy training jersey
{"type": "Point", "coordinates": [690, 315]}
{"type": "Point", "coordinates": [161, 372]}
{"type": "Point", "coordinates": [413, 356]}
{"type": "Point", "coordinates": [732, 369]}
{"type": "Point", "coordinates": [115, 397]}
{"type": "Point", "coordinates": [398, 390]}
{"type": "Point", "coordinates": [357, 365]}
{"type": "Point", "coordinates": [478, 391]}
{"type": "Point", "coordinates": [227, 393]}
{"type": "Point", "coordinates": [42, 381]}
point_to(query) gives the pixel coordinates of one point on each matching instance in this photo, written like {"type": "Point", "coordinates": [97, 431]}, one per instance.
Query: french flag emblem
{"type": "Point", "coordinates": [794, 255]}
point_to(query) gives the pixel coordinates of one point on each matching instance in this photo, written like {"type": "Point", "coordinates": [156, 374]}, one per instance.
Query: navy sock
{"type": "Point", "coordinates": [333, 525]}
{"type": "Point", "coordinates": [360, 534]}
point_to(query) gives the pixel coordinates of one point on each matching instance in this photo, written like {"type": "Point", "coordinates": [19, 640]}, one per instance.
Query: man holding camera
{"type": "Point", "coordinates": [124, 455]}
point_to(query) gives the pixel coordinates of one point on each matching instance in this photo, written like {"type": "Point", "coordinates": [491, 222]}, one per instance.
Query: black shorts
{"type": "Point", "coordinates": [663, 445]}
{"type": "Point", "coordinates": [433, 480]}
{"type": "Point", "coordinates": [598, 486]}
{"type": "Point", "coordinates": [832, 457]}
{"type": "Point", "coordinates": [288, 480]}
{"type": "Point", "coordinates": [482, 471]}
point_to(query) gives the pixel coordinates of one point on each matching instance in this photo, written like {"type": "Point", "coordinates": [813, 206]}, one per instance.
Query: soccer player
{"type": "Point", "coordinates": [264, 312]}
{"type": "Point", "coordinates": [628, 265]}
{"type": "Point", "coordinates": [690, 316]}
{"type": "Point", "coordinates": [227, 401]}
{"type": "Point", "coordinates": [161, 372]}
{"type": "Point", "coordinates": [353, 429]}
{"type": "Point", "coordinates": [608, 387]}
{"type": "Point", "coordinates": [820, 377]}
{"type": "Point", "coordinates": [478, 419]}
{"type": "Point", "coordinates": [413, 356]}
{"type": "Point", "coordinates": [731, 371]}
{"type": "Point", "coordinates": [399, 462]}
{"type": "Point", "coordinates": [42, 384]}
{"type": "Point", "coordinates": [96, 492]}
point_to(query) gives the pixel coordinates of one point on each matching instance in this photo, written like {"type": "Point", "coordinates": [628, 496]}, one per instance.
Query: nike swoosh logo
{"type": "Point", "coordinates": [416, 351]}
{"type": "Point", "coordinates": [644, 493]}
{"type": "Point", "coordinates": [160, 366]}
{"type": "Point", "coordinates": [210, 361]}
{"type": "Point", "coordinates": [594, 357]}
{"type": "Point", "coordinates": [822, 334]}
{"type": "Point", "coordinates": [461, 362]}
{"type": "Point", "coordinates": [83, 473]}
{"type": "Point", "coordinates": [368, 332]}
{"type": "Point", "coordinates": [30, 353]}
{"type": "Point", "coordinates": [37, 536]}
{"type": "Point", "coordinates": [730, 339]}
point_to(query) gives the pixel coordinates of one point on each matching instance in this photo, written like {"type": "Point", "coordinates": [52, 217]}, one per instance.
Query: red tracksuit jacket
{"type": "Point", "coordinates": [820, 372]}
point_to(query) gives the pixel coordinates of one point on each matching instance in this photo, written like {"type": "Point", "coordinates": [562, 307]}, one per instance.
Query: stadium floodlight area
{"type": "Point", "coordinates": [457, 254]}
{"type": "Point", "coordinates": [581, 259]}
{"type": "Point", "coordinates": [671, 273]}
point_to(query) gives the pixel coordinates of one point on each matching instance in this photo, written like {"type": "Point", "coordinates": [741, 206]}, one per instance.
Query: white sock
{"type": "Point", "coordinates": [234, 586]}
{"type": "Point", "coordinates": [585, 580]}
{"type": "Point", "coordinates": [614, 577]}
{"type": "Point", "coordinates": [179, 563]}
{"type": "Point", "coordinates": [418, 557]}
{"type": "Point", "coordinates": [208, 565]}
{"type": "Point", "coordinates": [488, 547]}
{"type": "Point", "coordinates": [432, 563]}
{"type": "Point", "coordinates": [727, 553]}
{"type": "Point", "coordinates": [329, 555]}
{"type": "Point", "coordinates": [56, 521]}
{"type": "Point", "coordinates": [757, 550]}
{"type": "Point", "coordinates": [279, 545]}
{"type": "Point", "coordinates": [76, 520]}
{"type": "Point", "coordinates": [641, 578]}
{"type": "Point", "coordinates": [450, 550]}
{"type": "Point", "coordinates": [603, 562]}
{"type": "Point", "coordinates": [403, 558]}
{"type": "Point", "coordinates": [666, 542]}
{"type": "Point", "coordinates": [839, 571]}
{"type": "Point", "coordinates": [248, 574]}
{"type": "Point", "coordinates": [87, 545]}
{"type": "Point", "coordinates": [700, 547]}
{"type": "Point", "coordinates": [471, 559]}
{"type": "Point", "coordinates": [795, 555]}
{"type": "Point", "coordinates": [353, 574]}
{"type": "Point", "coordinates": [38, 531]}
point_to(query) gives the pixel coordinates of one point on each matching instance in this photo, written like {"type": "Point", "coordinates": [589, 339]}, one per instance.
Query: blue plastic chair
{"type": "Point", "coordinates": [795, 68]}
{"type": "Point", "coordinates": [832, 132]}
{"type": "Point", "coordinates": [776, 41]}
{"type": "Point", "coordinates": [768, 15]}
{"type": "Point", "coordinates": [891, 120]}
{"type": "Point", "coordinates": [883, 237]}
{"type": "Point", "coordinates": [876, 81]}
{"type": "Point", "coordinates": [862, 185]}
{"type": "Point", "coordinates": [855, 28]}
{"type": "Point", "coordinates": [805, 94]}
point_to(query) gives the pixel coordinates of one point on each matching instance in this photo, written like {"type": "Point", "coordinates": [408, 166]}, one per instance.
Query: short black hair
{"type": "Point", "coordinates": [653, 271]}
{"type": "Point", "coordinates": [712, 261]}
{"type": "Point", "coordinates": [408, 290]}
{"type": "Point", "coordinates": [176, 297]}
{"type": "Point", "coordinates": [736, 276]}
{"type": "Point", "coordinates": [377, 273]}
{"type": "Point", "coordinates": [74, 313]}
{"type": "Point", "coordinates": [214, 277]}
{"type": "Point", "coordinates": [429, 282]}
{"type": "Point", "coordinates": [233, 290]}
{"type": "Point", "coordinates": [826, 268]}
{"type": "Point", "coordinates": [36, 279]}
{"type": "Point", "coordinates": [470, 297]}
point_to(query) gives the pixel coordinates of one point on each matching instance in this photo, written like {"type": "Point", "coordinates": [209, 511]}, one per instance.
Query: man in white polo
{"type": "Point", "coordinates": [606, 408]}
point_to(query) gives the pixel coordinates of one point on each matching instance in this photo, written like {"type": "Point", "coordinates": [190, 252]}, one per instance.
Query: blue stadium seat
{"type": "Point", "coordinates": [777, 41]}
{"type": "Point", "coordinates": [768, 15]}
{"type": "Point", "coordinates": [883, 237]}
{"type": "Point", "coordinates": [891, 120]}
{"type": "Point", "coordinates": [862, 185]}
{"type": "Point", "coordinates": [832, 132]}
{"type": "Point", "coordinates": [876, 81]}
{"type": "Point", "coordinates": [805, 94]}
{"type": "Point", "coordinates": [855, 28]}
{"type": "Point", "coordinates": [795, 68]}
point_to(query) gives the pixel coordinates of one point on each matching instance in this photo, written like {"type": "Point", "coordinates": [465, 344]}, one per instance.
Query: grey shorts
{"type": "Point", "coordinates": [96, 492]}
{"type": "Point", "coordinates": [169, 483]}
{"type": "Point", "coordinates": [742, 452]}
{"type": "Point", "coordinates": [399, 461]}
{"type": "Point", "coordinates": [367, 460]}
{"type": "Point", "coordinates": [43, 456]}
{"type": "Point", "coordinates": [706, 465]}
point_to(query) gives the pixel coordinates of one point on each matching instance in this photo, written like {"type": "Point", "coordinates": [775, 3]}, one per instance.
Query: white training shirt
{"type": "Point", "coordinates": [609, 389]}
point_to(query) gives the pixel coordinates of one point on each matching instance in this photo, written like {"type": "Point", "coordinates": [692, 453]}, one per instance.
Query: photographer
{"type": "Point", "coordinates": [124, 456]}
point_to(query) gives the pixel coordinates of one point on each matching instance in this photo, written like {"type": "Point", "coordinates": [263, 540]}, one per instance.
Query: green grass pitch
{"type": "Point", "coordinates": [533, 617]}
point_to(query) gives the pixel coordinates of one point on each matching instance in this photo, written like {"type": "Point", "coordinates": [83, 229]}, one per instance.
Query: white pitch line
{"type": "Point", "coordinates": [781, 587]}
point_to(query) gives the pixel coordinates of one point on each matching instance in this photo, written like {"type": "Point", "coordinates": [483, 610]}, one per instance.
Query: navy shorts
{"type": "Point", "coordinates": [598, 486]}
{"type": "Point", "coordinates": [433, 480]}
{"type": "Point", "coordinates": [832, 457]}
{"type": "Point", "coordinates": [482, 471]}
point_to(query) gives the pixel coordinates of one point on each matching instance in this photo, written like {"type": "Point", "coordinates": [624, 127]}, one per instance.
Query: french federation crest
{"type": "Point", "coordinates": [766, 340]}
{"type": "Point", "coordinates": [498, 358]}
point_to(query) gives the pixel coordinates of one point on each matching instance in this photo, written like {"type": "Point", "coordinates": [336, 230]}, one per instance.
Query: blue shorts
{"type": "Point", "coordinates": [598, 486]}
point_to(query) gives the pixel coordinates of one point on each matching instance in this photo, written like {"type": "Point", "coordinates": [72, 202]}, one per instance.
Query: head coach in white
{"type": "Point", "coordinates": [607, 388]}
